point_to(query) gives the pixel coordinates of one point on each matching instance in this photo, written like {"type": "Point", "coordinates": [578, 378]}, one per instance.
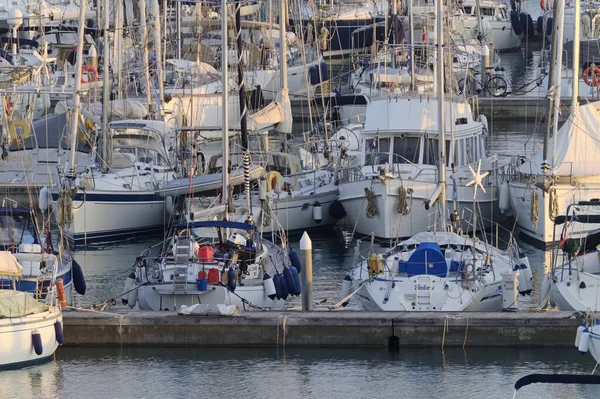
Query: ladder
{"type": "Point", "coordinates": [423, 293]}
{"type": "Point", "coordinates": [182, 256]}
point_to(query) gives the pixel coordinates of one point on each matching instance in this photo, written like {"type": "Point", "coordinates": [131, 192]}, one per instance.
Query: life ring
{"type": "Point", "coordinates": [273, 180]}
{"type": "Point", "coordinates": [595, 71]}
{"type": "Point", "coordinates": [12, 130]}
{"type": "Point", "coordinates": [542, 5]}
{"type": "Point", "coordinates": [89, 69]}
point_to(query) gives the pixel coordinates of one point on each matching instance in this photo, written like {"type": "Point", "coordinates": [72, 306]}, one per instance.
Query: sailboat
{"type": "Point", "coordinates": [31, 330]}
{"type": "Point", "coordinates": [239, 268]}
{"type": "Point", "coordinates": [440, 269]}
{"type": "Point", "coordinates": [543, 187]}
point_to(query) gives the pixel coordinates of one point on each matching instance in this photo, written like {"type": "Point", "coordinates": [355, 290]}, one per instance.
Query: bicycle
{"type": "Point", "coordinates": [470, 86]}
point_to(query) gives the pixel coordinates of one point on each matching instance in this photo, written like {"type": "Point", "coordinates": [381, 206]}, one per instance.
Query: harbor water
{"type": "Point", "coordinates": [296, 373]}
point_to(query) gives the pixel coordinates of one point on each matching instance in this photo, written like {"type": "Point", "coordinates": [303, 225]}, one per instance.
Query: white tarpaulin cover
{"type": "Point", "coordinates": [18, 304]}
{"type": "Point", "coordinates": [577, 146]}
{"type": "Point", "coordinates": [9, 265]}
{"type": "Point", "coordinates": [210, 310]}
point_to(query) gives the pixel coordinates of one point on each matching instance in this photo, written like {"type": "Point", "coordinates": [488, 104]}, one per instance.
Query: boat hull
{"type": "Point", "coordinates": [16, 346]}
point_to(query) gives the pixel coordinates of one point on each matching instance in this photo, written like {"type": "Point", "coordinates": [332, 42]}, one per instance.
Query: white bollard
{"type": "Point", "coordinates": [307, 279]}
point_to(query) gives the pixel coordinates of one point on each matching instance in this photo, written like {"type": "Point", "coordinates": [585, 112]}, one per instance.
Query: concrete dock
{"type": "Point", "coordinates": [322, 328]}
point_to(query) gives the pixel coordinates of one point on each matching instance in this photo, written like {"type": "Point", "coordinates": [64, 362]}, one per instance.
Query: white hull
{"type": "Point", "coordinates": [520, 201]}
{"type": "Point", "coordinates": [577, 290]}
{"type": "Point", "coordinates": [503, 36]}
{"type": "Point", "coordinates": [157, 297]}
{"type": "Point", "coordinates": [16, 346]}
{"type": "Point", "coordinates": [296, 213]}
{"type": "Point", "coordinates": [389, 224]}
{"type": "Point", "coordinates": [106, 214]}
{"type": "Point", "coordinates": [486, 299]}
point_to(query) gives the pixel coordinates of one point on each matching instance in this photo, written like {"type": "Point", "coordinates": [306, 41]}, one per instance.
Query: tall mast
{"type": "Point", "coordinates": [242, 96]}
{"type": "Point", "coordinates": [558, 77]}
{"type": "Point", "coordinates": [144, 29]}
{"type": "Point", "coordinates": [77, 88]}
{"type": "Point", "coordinates": [224, 66]}
{"type": "Point", "coordinates": [106, 87]}
{"type": "Point", "coordinates": [553, 55]}
{"type": "Point", "coordinates": [158, 49]}
{"type": "Point", "coordinates": [442, 130]}
{"type": "Point", "coordinates": [576, 44]}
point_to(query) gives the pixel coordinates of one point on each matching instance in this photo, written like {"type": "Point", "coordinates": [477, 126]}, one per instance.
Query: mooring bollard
{"type": "Point", "coordinates": [307, 279]}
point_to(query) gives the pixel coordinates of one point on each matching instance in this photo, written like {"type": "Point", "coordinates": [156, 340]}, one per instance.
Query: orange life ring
{"type": "Point", "coordinates": [60, 290]}
{"type": "Point", "coordinates": [90, 70]}
{"type": "Point", "coordinates": [542, 5]}
{"type": "Point", "coordinates": [594, 71]}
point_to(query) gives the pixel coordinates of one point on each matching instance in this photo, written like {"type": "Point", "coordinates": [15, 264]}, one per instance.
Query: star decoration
{"type": "Point", "coordinates": [477, 179]}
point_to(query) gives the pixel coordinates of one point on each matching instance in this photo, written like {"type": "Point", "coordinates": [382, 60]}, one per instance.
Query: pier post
{"type": "Point", "coordinates": [307, 279]}
{"type": "Point", "coordinates": [485, 63]}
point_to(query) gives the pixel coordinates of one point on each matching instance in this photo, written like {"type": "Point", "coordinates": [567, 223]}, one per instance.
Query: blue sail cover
{"type": "Point", "coordinates": [427, 259]}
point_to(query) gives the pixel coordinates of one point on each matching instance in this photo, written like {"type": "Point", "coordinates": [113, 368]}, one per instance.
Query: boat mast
{"type": "Point", "coordinates": [105, 88]}
{"type": "Point", "coordinates": [553, 55]}
{"type": "Point", "coordinates": [243, 106]}
{"type": "Point", "coordinates": [558, 77]}
{"type": "Point", "coordinates": [411, 40]}
{"type": "Point", "coordinates": [576, 45]}
{"type": "Point", "coordinates": [144, 29]}
{"type": "Point", "coordinates": [441, 127]}
{"type": "Point", "coordinates": [224, 66]}
{"type": "Point", "coordinates": [77, 87]}
{"type": "Point", "coordinates": [158, 49]}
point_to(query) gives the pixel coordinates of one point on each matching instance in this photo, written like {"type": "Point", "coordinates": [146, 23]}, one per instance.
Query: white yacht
{"type": "Point", "coordinates": [389, 195]}
{"type": "Point", "coordinates": [499, 29]}
{"type": "Point", "coordinates": [122, 200]}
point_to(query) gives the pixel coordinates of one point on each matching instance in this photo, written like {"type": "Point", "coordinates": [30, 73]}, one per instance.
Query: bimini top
{"type": "Point", "coordinates": [223, 224]}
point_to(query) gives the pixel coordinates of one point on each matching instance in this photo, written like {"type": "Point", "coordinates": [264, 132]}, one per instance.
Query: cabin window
{"type": "Point", "coordinates": [468, 150]}
{"type": "Point", "coordinates": [377, 151]}
{"type": "Point", "coordinates": [488, 12]}
{"type": "Point", "coordinates": [406, 150]}
{"type": "Point", "coordinates": [431, 151]}
{"type": "Point", "coordinates": [468, 10]}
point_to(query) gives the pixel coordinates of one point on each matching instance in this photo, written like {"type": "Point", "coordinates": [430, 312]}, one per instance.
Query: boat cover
{"type": "Point", "coordinates": [9, 265]}
{"type": "Point", "coordinates": [577, 146]}
{"type": "Point", "coordinates": [18, 304]}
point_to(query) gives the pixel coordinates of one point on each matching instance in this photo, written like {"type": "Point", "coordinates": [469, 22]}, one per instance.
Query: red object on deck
{"type": "Point", "coordinates": [213, 275]}
{"type": "Point", "coordinates": [201, 275]}
{"type": "Point", "coordinates": [205, 254]}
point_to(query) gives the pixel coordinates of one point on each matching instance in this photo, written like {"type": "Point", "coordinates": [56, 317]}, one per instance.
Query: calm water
{"type": "Point", "coordinates": [295, 373]}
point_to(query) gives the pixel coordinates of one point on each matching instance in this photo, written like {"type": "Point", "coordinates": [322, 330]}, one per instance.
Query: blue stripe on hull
{"type": "Point", "coordinates": [26, 363]}
{"type": "Point", "coordinates": [109, 197]}
{"type": "Point", "coordinates": [112, 234]}
{"type": "Point", "coordinates": [29, 284]}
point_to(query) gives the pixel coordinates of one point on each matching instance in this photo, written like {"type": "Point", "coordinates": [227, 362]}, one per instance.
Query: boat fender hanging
{"type": "Point", "coordinates": [289, 281]}
{"type": "Point", "coordinates": [539, 25]}
{"type": "Point", "coordinates": [36, 340]}
{"type": "Point", "coordinates": [504, 200]}
{"type": "Point", "coordinates": [78, 278]}
{"type": "Point", "coordinates": [346, 288]}
{"type": "Point", "coordinates": [58, 332]}
{"type": "Point", "coordinates": [584, 341]}
{"type": "Point", "coordinates": [336, 210]}
{"type": "Point", "coordinates": [582, 327]}
{"type": "Point", "coordinates": [132, 296]}
{"type": "Point", "coordinates": [295, 259]}
{"type": "Point", "coordinates": [545, 289]}
{"type": "Point", "coordinates": [269, 286]}
{"type": "Point", "coordinates": [43, 199]}
{"type": "Point", "coordinates": [129, 284]}
{"type": "Point", "coordinates": [591, 76]}
{"type": "Point", "coordinates": [231, 279]}
{"type": "Point", "coordinates": [284, 289]}
{"type": "Point", "coordinates": [297, 283]}
{"type": "Point", "coordinates": [549, 26]}
{"type": "Point", "coordinates": [516, 23]}
{"type": "Point", "coordinates": [277, 284]}
{"type": "Point", "coordinates": [526, 24]}
{"type": "Point", "coordinates": [317, 212]}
